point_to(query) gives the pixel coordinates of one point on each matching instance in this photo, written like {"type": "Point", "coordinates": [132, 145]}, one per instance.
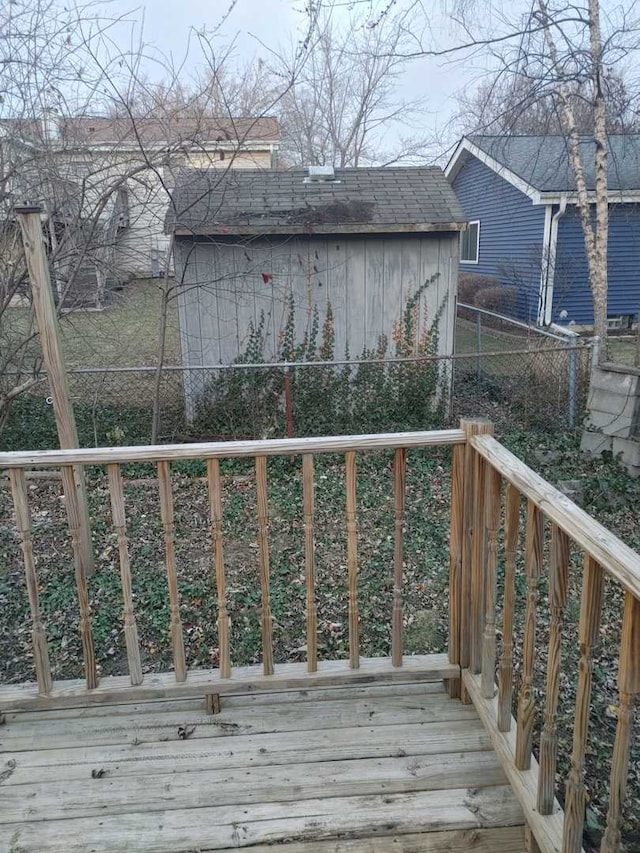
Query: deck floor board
{"type": "Point", "coordinates": [358, 769]}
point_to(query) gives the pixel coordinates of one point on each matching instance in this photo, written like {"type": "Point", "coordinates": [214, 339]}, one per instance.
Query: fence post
{"type": "Point", "coordinates": [478, 344]}
{"type": "Point", "coordinates": [573, 384]}
{"type": "Point", "coordinates": [49, 332]}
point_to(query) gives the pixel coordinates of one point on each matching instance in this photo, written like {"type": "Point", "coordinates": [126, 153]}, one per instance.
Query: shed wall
{"type": "Point", "coordinates": [222, 288]}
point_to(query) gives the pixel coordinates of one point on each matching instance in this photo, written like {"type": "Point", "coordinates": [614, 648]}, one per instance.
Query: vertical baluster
{"type": "Point", "coordinates": [575, 800]}
{"type": "Point", "coordinates": [352, 558]}
{"type": "Point", "coordinates": [215, 510]}
{"type": "Point", "coordinates": [455, 563]}
{"type": "Point", "coordinates": [478, 579]}
{"type": "Point", "coordinates": [505, 668]}
{"type": "Point", "coordinates": [399, 476]}
{"type": "Point", "coordinates": [309, 557]}
{"type": "Point", "coordinates": [629, 687]}
{"type": "Point", "coordinates": [23, 523]}
{"type": "Point", "coordinates": [263, 553]}
{"type": "Point", "coordinates": [78, 545]}
{"type": "Point", "coordinates": [526, 701]}
{"type": "Point", "coordinates": [120, 523]}
{"type": "Point", "coordinates": [166, 513]}
{"type": "Point", "coordinates": [492, 508]}
{"type": "Point", "coordinates": [558, 580]}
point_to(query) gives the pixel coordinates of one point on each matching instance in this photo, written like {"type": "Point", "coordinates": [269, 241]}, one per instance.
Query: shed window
{"type": "Point", "coordinates": [470, 243]}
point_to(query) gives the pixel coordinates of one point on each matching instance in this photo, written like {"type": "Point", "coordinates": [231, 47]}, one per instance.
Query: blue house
{"type": "Point", "coordinates": [518, 193]}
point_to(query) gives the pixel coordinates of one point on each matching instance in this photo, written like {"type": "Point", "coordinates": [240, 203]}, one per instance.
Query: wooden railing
{"type": "Point", "coordinates": [485, 535]}
{"type": "Point", "coordinates": [111, 460]}
{"type": "Point", "coordinates": [477, 496]}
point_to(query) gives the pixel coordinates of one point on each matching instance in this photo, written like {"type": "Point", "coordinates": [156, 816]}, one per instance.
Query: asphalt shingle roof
{"type": "Point", "coordinates": [359, 200]}
{"type": "Point", "coordinates": [543, 161]}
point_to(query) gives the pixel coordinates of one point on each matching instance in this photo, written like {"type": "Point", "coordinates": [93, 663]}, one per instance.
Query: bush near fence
{"type": "Point", "coordinates": [521, 382]}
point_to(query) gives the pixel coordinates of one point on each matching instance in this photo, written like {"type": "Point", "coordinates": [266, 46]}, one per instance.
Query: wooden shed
{"type": "Point", "coordinates": [248, 244]}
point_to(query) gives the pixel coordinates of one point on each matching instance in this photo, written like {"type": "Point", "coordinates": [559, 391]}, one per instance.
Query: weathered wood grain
{"type": "Point", "coordinates": [23, 523]}
{"type": "Point", "coordinates": [352, 558]}
{"type": "Point", "coordinates": [505, 669]}
{"type": "Point", "coordinates": [215, 514]}
{"type": "Point", "coordinates": [399, 478]}
{"type": "Point", "coordinates": [289, 676]}
{"type": "Point", "coordinates": [166, 513]}
{"type": "Point", "coordinates": [547, 829]}
{"type": "Point", "coordinates": [526, 700]}
{"type": "Point", "coordinates": [116, 494]}
{"type": "Point", "coordinates": [575, 793]}
{"type": "Point", "coordinates": [77, 543]}
{"type": "Point", "coordinates": [191, 789]}
{"type": "Point", "coordinates": [504, 839]}
{"type": "Point", "coordinates": [618, 559]}
{"type": "Point", "coordinates": [471, 550]}
{"type": "Point", "coordinates": [558, 583]}
{"type": "Point", "coordinates": [263, 565]}
{"type": "Point", "coordinates": [492, 509]}
{"type": "Point", "coordinates": [455, 563]}
{"type": "Point", "coordinates": [230, 449]}
{"type": "Point", "coordinates": [57, 378]}
{"type": "Point", "coordinates": [629, 687]}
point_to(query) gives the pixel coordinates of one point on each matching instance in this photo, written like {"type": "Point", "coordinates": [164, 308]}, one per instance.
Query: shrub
{"type": "Point", "coordinates": [498, 298]}
{"type": "Point", "coordinates": [470, 284]}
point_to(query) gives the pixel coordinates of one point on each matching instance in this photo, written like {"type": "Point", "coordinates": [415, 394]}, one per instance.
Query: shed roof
{"type": "Point", "coordinates": [371, 200]}
{"type": "Point", "coordinates": [543, 161]}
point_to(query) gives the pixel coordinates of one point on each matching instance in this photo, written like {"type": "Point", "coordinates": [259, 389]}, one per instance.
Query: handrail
{"type": "Point", "coordinates": [618, 559]}
{"type": "Point", "coordinates": [230, 449]}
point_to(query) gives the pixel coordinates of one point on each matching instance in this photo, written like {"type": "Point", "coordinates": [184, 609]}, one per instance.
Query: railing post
{"type": "Point", "coordinates": [472, 599]}
{"type": "Point", "coordinates": [629, 688]}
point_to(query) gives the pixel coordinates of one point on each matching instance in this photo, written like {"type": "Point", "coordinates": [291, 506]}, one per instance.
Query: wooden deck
{"type": "Point", "coordinates": [383, 767]}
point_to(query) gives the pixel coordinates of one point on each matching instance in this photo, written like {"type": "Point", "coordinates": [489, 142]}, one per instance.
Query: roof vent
{"type": "Point", "coordinates": [320, 175]}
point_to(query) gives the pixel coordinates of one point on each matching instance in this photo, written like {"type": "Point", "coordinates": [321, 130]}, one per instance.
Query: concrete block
{"type": "Point", "coordinates": [629, 451]}
{"type": "Point", "coordinates": [610, 423]}
{"type": "Point", "coordinates": [595, 443]}
{"type": "Point", "coordinates": [573, 489]}
{"type": "Point", "coordinates": [613, 403]}
{"type": "Point", "coordinates": [622, 383]}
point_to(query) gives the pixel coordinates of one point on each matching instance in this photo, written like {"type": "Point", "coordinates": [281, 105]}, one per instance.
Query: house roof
{"type": "Point", "coordinates": [541, 163]}
{"type": "Point", "coordinates": [369, 200]}
{"type": "Point", "coordinates": [101, 130]}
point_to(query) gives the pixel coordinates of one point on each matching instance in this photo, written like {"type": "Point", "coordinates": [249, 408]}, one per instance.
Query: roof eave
{"type": "Point", "coordinates": [351, 228]}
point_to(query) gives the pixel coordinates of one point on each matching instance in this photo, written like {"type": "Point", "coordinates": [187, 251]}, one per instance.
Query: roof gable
{"type": "Point", "coordinates": [370, 200]}
{"type": "Point", "coordinates": [540, 165]}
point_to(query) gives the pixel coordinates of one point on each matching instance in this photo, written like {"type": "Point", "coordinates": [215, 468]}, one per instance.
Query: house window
{"type": "Point", "coordinates": [470, 243]}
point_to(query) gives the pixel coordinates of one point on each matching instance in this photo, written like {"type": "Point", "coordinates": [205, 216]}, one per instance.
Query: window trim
{"type": "Point", "coordinates": [477, 260]}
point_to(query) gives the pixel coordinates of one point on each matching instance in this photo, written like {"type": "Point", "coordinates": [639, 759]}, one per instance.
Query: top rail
{"type": "Point", "coordinates": [611, 553]}
{"type": "Point", "coordinates": [229, 449]}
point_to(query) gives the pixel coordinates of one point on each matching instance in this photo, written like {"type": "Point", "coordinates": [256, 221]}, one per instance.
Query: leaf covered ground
{"type": "Point", "coordinates": [607, 492]}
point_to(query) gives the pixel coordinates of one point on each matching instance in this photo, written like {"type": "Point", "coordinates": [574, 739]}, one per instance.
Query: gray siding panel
{"type": "Point", "coordinates": [511, 232]}
{"type": "Point", "coordinates": [368, 281]}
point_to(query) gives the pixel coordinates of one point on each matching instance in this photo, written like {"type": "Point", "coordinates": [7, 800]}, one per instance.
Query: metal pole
{"type": "Point", "coordinates": [49, 332]}
{"type": "Point", "coordinates": [573, 385]}
{"type": "Point", "coordinates": [478, 343]}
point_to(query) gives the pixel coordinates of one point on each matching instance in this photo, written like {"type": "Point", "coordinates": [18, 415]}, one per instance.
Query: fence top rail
{"type": "Point", "coordinates": [229, 449]}
{"type": "Point", "coordinates": [621, 561]}
{"type": "Point", "coordinates": [518, 323]}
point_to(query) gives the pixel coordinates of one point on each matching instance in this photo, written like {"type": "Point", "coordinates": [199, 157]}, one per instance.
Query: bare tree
{"type": "Point", "coordinates": [570, 55]}
{"type": "Point", "coordinates": [343, 108]}
{"type": "Point", "coordinates": [518, 104]}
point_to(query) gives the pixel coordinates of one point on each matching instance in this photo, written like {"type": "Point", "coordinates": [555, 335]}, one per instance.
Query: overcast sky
{"type": "Point", "coordinates": [260, 25]}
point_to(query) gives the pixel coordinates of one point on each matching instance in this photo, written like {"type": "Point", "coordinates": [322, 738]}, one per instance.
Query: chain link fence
{"type": "Point", "coordinates": [543, 387]}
